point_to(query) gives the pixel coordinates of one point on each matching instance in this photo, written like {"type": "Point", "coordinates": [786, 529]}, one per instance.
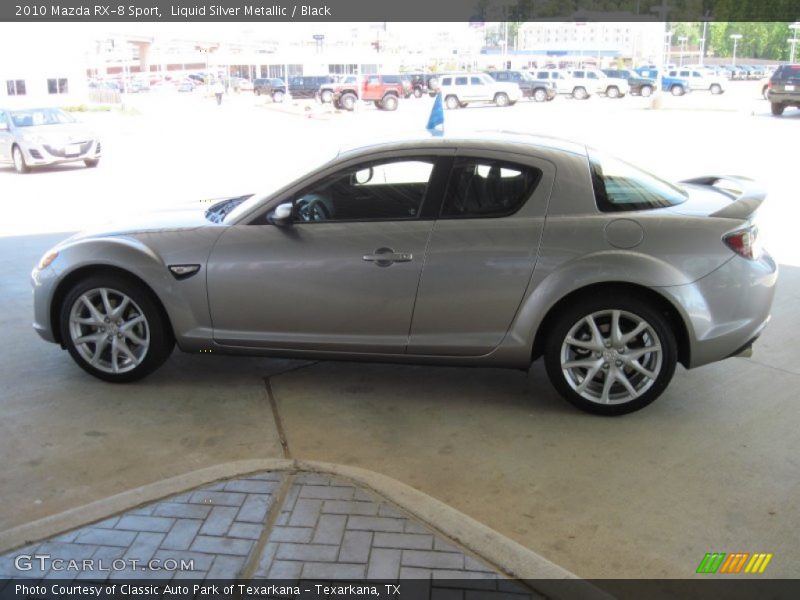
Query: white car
{"type": "Point", "coordinates": [600, 83]}
{"type": "Point", "coordinates": [459, 89]}
{"type": "Point", "coordinates": [699, 79]}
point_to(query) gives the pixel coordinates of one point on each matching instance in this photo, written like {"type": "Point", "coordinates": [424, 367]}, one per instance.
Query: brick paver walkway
{"type": "Point", "coordinates": [326, 528]}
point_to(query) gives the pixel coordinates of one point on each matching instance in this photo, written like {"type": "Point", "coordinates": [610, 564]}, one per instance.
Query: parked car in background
{"type": "Point", "coordinates": [674, 85]}
{"type": "Point", "coordinates": [342, 83]}
{"type": "Point", "coordinates": [638, 85]}
{"type": "Point", "coordinates": [308, 86]}
{"type": "Point", "coordinates": [554, 76]}
{"type": "Point", "coordinates": [699, 80]}
{"type": "Point", "coordinates": [274, 87]}
{"type": "Point", "coordinates": [610, 274]}
{"type": "Point", "coordinates": [185, 85]}
{"type": "Point", "coordinates": [384, 91]}
{"type": "Point", "coordinates": [536, 89]}
{"type": "Point", "coordinates": [423, 84]}
{"type": "Point", "coordinates": [45, 136]}
{"type": "Point", "coordinates": [600, 83]}
{"type": "Point", "coordinates": [460, 89]}
{"type": "Point", "coordinates": [783, 88]}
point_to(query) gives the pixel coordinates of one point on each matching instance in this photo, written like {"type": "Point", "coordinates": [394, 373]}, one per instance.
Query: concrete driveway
{"type": "Point", "coordinates": [711, 466]}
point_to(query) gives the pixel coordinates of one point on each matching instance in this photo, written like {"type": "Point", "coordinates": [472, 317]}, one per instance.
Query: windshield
{"type": "Point", "coordinates": [40, 116]}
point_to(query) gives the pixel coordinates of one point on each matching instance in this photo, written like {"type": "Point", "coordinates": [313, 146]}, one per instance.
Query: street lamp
{"type": "Point", "coordinates": [794, 27]}
{"type": "Point", "coordinates": [735, 37]}
{"type": "Point", "coordinates": [683, 39]}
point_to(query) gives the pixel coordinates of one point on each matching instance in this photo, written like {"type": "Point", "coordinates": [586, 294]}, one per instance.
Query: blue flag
{"type": "Point", "coordinates": [437, 115]}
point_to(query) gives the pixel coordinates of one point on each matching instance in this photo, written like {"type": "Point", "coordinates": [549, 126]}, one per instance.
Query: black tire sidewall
{"type": "Point", "coordinates": [161, 339]}
{"type": "Point", "coordinates": [590, 304]}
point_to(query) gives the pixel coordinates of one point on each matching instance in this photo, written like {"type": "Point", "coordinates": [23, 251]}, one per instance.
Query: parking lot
{"type": "Point", "coordinates": [710, 466]}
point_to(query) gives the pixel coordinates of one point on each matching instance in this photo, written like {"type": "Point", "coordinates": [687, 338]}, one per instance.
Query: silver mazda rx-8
{"type": "Point", "coordinates": [492, 251]}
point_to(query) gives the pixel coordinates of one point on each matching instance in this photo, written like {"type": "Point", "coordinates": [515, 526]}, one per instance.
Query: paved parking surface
{"type": "Point", "coordinates": [711, 466]}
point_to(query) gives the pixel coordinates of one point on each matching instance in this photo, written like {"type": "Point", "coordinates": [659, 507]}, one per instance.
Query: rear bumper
{"type": "Point", "coordinates": [787, 98]}
{"type": "Point", "coordinates": [726, 310]}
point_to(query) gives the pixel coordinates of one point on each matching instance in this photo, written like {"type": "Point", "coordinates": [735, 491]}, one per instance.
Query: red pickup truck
{"type": "Point", "coordinates": [384, 90]}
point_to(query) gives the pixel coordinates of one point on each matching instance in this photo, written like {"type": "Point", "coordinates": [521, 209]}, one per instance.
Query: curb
{"type": "Point", "coordinates": [508, 556]}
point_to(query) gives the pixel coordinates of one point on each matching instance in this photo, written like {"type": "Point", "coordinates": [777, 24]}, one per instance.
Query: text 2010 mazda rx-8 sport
{"type": "Point", "coordinates": [489, 251]}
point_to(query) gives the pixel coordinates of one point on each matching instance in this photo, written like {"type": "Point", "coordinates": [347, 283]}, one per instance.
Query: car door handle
{"type": "Point", "coordinates": [384, 257]}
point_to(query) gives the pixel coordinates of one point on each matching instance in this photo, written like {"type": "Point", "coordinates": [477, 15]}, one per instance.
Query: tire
{"type": "Point", "coordinates": [677, 90]}
{"type": "Point", "coordinates": [390, 102]}
{"type": "Point", "coordinates": [277, 96]}
{"type": "Point", "coordinates": [417, 93]}
{"type": "Point", "coordinates": [451, 102]}
{"type": "Point", "coordinates": [337, 104]}
{"type": "Point", "coordinates": [147, 338]}
{"type": "Point", "coordinates": [777, 108]}
{"type": "Point", "coordinates": [501, 99]}
{"type": "Point", "coordinates": [463, 104]}
{"type": "Point", "coordinates": [91, 163]}
{"type": "Point", "coordinates": [378, 103]}
{"type": "Point", "coordinates": [539, 95]}
{"type": "Point", "coordinates": [19, 160]}
{"type": "Point", "coordinates": [257, 92]}
{"type": "Point", "coordinates": [348, 101]}
{"type": "Point", "coordinates": [604, 360]}
{"type": "Point", "coordinates": [612, 92]}
{"type": "Point", "coordinates": [715, 89]}
{"type": "Point", "coordinates": [326, 96]}
{"type": "Point", "coordinates": [646, 91]}
{"type": "Point", "coordinates": [579, 93]}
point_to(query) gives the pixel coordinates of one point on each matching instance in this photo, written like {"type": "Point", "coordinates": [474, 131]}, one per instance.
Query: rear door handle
{"type": "Point", "coordinates": [384, 257]}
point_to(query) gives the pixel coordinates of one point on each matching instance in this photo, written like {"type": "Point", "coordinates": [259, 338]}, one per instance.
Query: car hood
{"type": "Point", "coordinates": [185, 217]}
{"type": "Point", "coordinates": [63, 133]}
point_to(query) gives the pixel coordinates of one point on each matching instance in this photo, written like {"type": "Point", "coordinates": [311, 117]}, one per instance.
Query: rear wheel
{"type": "Point", "coordinates": [579, 93]}
{"type": "Point", "coordinates": [451, 102]}
{"type": "Point", "coordinates": [501, 99]}
{"type": "Point", "coordinates": [677, 90]}
{"type": "Point", "coordinates": [646, 91]}
{"type": "Point", "coordinates": [715, 89]}
{"type": "Point", "coordinates": [539, 95]}
{"type": "Point", "coordinates": [277, 96]}
{"type": "Point", "coordinates": [612, 92]}
{"type": "Point", "coordinates": [114, 329]}
{"type": "Point", "coordinates": [417, 93]}
{"type": "Point", "coordinates": [390, 102]}
{"type": "Point", "coordinates": [777, 109]}
{"type": "Point", "coordinates": [326, 96]}
{"type": "Point", "coordinates": [19, 160]}
{"type": "Point", "coordinates": [609, 354]}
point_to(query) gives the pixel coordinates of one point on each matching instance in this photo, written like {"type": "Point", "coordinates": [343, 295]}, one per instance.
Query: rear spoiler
{"type": "Point", "coordinates": [747, 195]}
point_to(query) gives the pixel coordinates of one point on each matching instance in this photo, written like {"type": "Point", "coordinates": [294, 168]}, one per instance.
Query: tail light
{"type": "Point", "coordinates": [744, 242]}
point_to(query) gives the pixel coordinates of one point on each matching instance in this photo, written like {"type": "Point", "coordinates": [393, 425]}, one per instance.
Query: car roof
{"type": "Point", "coordinates": [506, 140]}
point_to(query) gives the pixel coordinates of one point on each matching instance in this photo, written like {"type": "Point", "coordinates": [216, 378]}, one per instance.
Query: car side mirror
{"type": "Point", "coordinates": [282, 216]}
{"type": "Point", "coordinates": [361, 177]}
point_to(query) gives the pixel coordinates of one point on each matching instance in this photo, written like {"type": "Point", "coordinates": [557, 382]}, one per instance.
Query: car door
{"type": "Point", "coordinates": [343, 276]}
{"type": "Point", "coordinates": [482, 252]}
{"type": "Point", "coordinates": [6, 138]}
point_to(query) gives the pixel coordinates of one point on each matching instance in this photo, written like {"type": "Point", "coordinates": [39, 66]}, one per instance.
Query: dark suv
{"type": "Point", "coordinates": [537, 89]}
{"type": "Point", "coordinates": [274, 87]}
{"type": "Point", "coordinates": [307, 87]}
{"type": "Point", "coordinates": [783, 88]}
{"type": "Point", "coordinates": [639, 86]}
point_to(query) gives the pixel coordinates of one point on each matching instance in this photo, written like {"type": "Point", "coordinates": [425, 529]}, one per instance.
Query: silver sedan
{"type": "Point", "coordinates": [489, 251]}
{"type": "Point", "coordinates": [45, 136]}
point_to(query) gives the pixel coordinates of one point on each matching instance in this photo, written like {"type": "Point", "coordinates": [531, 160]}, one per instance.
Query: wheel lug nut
{"type": "Point", "coordinates": [108, 338]}
{"type": "Point", "coordinates": [107, 320]}
{"type": "Point", "coordinates": [605, 365]}
{"type": "Point", "coordinates": [102, 330]}
{"type": "Point", "coordinates": [608, 344]}
{"type": "Point", "coordinates": [619, 363]}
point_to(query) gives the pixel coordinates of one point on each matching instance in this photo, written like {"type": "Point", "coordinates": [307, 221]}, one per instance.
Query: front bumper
{"type": "Point", "coordinates": [44, 284]}
{"type": "Point", "coordinates": [726, 310]}
{"type": "Point", "coordinates": [37, 155]}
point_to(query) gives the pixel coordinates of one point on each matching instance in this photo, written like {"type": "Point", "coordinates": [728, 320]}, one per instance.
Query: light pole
{"type": "Point", "coordinates": [735, 37]}
{"type": "Point", "coordinates": [794, 27]}
{"type": "Point", "coordinates": [682, 40]}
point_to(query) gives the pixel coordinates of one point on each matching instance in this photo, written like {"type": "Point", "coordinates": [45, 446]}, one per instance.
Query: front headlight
{"type": "Point", "coordinates": [47, 260]}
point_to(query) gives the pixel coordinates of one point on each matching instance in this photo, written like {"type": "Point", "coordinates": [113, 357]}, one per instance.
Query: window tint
{"type": "Point", "coordinates": [446, 80]}
{"type": "Point", "coordinates": [619, 186]}
{"type": "Point", "coordinates": [378, 191]}
{"type": "Point", "coordinates": [391, 79]}
{"type": "Point", "coordinates": [488, 188]}
{"type": "Point", "coordinates": [476, 81]}
{"type": "Point", "coordinates": [461, 81]}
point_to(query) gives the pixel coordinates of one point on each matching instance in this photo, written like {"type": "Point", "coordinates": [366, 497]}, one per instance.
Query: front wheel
{"type": "Point", "coordinates": [451, 102]}
{"type": "Point", "coordinates": [348, 101]}
{"type": "Point", "coordinates": [610, 355]}
{"type": "Point", "coordinates": [417, 93]}
{"type": "Point", "coordinates": [646, 91]}
{"type": "Point", "coordinates": [501, 99]}
{"type": "Point", "coordinates": [277, 96]}
{"type": "Point", "coordinates": [114, 329]}
{"type": "Point", "coordinates": [580, 93]}
{"type": "Point", "coordinates": [677, 90]}
{"type": "Point", "coordinates": [716, 89]}
{"type": "Point", "coordinates": [326, 96]}
{"type": "Point", "coordinates": [389, 102]}
{"type": "Point", "coordinates": [539, 95]}
{"type": "Point", "coordinates": [612, 92]}
{"type": "Point", "coordinates": [19, 160]}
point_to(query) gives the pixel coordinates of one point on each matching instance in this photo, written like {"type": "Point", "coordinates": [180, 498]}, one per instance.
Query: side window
{"type": "Point", "coordinates": [500, 76]}
{"type": "Point", "coordinates": [542, 75]}
{"type": "Point", "coordinates": [391, 79]}
{"type": "Point", "coordinates": [384, 191]}
{"type": "Point", "coordinates": [446, 81]}
{"type": "Point", "coordinates": [373, 80]}
{"type": "Point", "coordinates": [578, 75]}
{"type": "Point", "coordinates": [461, 81]}
{"type": "Point", "coordinates": [488, 188]}
{"type": "Point", "coordinates": [592, 75]}
{"type": "Point", "coordinates": [475, 81]}
{"type": "Point", "coordinates": [619, 186]}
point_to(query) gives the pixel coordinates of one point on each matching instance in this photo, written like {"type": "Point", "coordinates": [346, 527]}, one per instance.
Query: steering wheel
{"type": "Point", "coordinates": [314, 209]}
